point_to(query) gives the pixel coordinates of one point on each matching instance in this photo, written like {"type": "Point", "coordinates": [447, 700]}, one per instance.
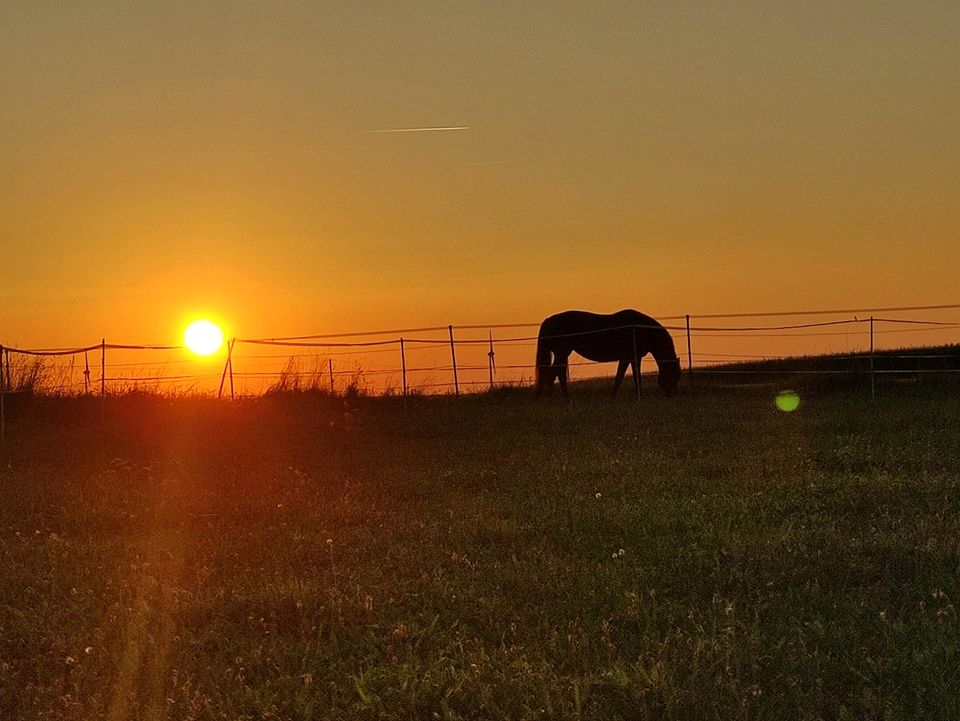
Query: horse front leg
{"type": "Point", "coordinates": [635, 369]}
{"type": "Point", "coordinates": [621, 372]}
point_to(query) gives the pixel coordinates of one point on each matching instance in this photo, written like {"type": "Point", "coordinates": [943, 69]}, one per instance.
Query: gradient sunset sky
{"type": "Point", "coordinates": [162, 159]}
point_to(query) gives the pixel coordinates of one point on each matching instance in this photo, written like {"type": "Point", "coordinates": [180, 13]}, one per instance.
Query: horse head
{"type": "Point", "coordinates": [668, 376]}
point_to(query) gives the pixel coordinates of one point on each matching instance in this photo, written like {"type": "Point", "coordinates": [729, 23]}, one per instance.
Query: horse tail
{"type": "Point", "coordinates": [543, 361]}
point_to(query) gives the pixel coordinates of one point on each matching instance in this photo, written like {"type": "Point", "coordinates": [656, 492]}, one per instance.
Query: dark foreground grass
{"type": "Point", "coordinates": [703, 557]}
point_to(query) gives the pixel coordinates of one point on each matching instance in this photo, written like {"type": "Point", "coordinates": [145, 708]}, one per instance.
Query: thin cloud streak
{"type": "Point", "coordinates": [420, 130]}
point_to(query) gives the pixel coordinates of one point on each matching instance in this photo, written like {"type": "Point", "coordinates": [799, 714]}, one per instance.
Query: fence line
{"type": "Point", "coordinates": [835, 311]}
{"type": "Point", "coordinates": [402, 344]}
{"type": "Point", "coordinates": [292, 341]}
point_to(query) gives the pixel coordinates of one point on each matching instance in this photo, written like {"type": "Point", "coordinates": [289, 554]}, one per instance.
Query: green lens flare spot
{"type": "Point", "coordinates": [788, 401]}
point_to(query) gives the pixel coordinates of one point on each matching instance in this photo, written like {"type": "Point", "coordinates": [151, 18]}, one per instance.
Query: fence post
{"type": "Point", "coordinates": [3, 394]}
{"type": "Point", "coordinates": [227, 367]}
{"type": "Point", "coordinates": [230, 363]}
{"type": "Point", "coordinates": [689, 354]}
{"type": "Point", "coordinates": [490, 356]}
{"type": "Point", "coordinates": [9, 377]}
{"type": "Point", "coordinates": [333, 389]}
{"type": "Point", "coordinates": [103, 379]}
{"type": "Point", "coordinates": [873, 386]}
{"type": "Point", "coordinates": [453, 355]}
{"type": "Point", "coordinates": [636, 360]}
{"type": "Point", "coordinates": [403, 368]}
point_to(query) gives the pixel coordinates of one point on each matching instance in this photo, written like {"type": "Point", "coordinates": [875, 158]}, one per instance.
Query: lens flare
{"type": "Point", "coordinates": [203, 337]}
{"type": "Point", "coordinates": [787, 401]}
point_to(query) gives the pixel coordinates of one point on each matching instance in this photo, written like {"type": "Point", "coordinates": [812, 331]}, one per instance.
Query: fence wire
{"type": "Point", "coordinates": [312, 358]}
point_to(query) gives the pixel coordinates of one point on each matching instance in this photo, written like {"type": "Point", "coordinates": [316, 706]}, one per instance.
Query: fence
{"type": "Point", "coordinates": [456, 358]}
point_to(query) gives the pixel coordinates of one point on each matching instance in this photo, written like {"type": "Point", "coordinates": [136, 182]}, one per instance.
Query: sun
{"type": "Point", "coordinates": [203, 337]}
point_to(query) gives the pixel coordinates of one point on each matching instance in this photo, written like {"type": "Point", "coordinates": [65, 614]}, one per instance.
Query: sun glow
{"type": "Point", "coordinates": [203, 337]}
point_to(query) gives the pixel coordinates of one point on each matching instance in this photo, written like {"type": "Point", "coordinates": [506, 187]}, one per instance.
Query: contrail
{"type": "Point", "coordinates": [421, 130]}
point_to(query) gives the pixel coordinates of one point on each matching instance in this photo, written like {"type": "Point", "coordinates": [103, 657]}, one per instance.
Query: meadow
{"type": "Point", "coordinates": [299, 556]}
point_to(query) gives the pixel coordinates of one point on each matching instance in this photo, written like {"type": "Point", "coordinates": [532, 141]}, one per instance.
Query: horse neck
{"type": "Point", "coordinates": [662, 349]}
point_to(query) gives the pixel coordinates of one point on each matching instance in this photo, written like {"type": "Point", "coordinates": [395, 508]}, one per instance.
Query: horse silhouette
{"type": "Point", "coordinates": [625, 336]}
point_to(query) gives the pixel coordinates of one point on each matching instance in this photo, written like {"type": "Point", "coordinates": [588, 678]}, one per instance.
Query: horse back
{"type": "Point", "coordinates": [581, 321]}
{"type": "Point", "coordinates": [599, 337]}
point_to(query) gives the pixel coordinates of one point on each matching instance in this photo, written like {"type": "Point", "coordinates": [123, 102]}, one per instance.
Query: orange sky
{"type": "Point", "coordinates": [162, 160]}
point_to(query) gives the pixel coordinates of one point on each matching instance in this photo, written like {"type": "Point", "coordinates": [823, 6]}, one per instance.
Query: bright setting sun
{"type": "Point", "coordinates": [203, 337]}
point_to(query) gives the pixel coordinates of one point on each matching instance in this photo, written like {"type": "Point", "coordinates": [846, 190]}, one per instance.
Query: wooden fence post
{"type": "Point", "coordinates": [230, 363]}
{"type": "Point", "coordinates": [453, 355]}
{"type": "Point", "coordinates": [873, 386]}
{"type": "Point", "coordinates": [636, 367]}
{"type": "Point", "coordinates": [490, 356]}
{"type": "Point", "coordinates": [333, 388]}
{"type": "Point", "coordinates": [403, 368]}
{"type": "Point", "coordinates": [103, 379]}
{"type": "Point", "coordinates": [3, 394]}
{"type": "Point", "coordinates": [227, 367]}
{"type": "Point", "coordinates": [689, 354]}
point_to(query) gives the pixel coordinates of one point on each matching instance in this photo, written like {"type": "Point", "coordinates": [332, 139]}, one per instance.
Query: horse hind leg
{"type": "Point", "coordinates": [635, 371]}
{"type": "Point", "coordinates": [621, 372]}
{"type": "Point", "coordinates": [561, 368]}
{"type": "Point", "coordinates": [545, 377]}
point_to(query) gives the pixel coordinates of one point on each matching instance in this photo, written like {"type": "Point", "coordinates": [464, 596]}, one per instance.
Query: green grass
{"type": "Point", "coordinates": [301, 557]}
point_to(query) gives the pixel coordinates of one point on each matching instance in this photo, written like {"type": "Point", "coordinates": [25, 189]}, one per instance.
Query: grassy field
{"type": "Point", "coordinates": [303, 557]}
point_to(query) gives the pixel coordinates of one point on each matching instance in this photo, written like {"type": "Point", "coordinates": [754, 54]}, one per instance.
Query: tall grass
{"type": "Point", "coordinates": [314, 377]}
{"type": "Point", "coordinates": [43, 375]}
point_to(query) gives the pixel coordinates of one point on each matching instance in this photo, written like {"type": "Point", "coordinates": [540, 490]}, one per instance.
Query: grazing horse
{"type": "Point", "coordinates": [625, 336]}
